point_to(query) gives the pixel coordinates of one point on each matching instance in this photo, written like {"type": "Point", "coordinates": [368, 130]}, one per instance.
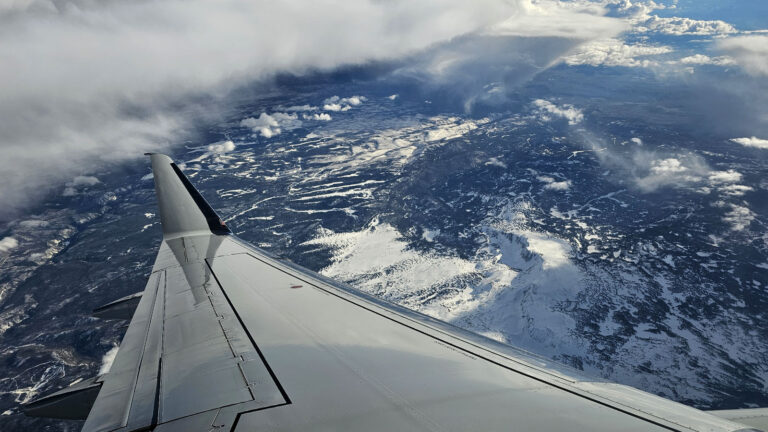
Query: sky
{"type": "Point", "coordinates": [88, 83]}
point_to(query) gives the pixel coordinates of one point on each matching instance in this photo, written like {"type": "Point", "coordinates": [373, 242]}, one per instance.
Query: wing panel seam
{"type": "Point", "coordinates": [250, 337]}
{"type": "Point", "coordinates": [143, 351]}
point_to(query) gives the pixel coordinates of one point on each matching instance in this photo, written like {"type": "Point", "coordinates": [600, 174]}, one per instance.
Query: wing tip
{"type": "Point", "coordinates": [182, 208]}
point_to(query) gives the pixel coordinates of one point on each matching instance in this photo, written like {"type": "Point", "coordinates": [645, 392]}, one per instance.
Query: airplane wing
{"type": "Point", "coordinates": [228, 337]}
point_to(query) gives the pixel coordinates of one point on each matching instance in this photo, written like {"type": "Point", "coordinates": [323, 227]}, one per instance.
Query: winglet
{"type": "Point", "coordinates": [183, 211]}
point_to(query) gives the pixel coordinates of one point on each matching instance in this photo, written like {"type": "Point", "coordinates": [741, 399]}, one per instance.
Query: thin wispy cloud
{"type": "Point", "coordinates": [750, 52]}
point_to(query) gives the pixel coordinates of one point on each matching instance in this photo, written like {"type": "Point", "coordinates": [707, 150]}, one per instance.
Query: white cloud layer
{"type": "Point", "coordinates": [752, 142]}
{"type": "Point", "coordinates": [577, 20]}
{"type": "Point", "coordinates": [87, 82]}
{"type": "Point", "coordinates": [84, 82]}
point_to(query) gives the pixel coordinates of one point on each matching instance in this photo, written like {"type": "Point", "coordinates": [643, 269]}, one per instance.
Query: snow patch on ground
{"type": "Point", "coordinates": [23, 395]}
{"type": "Point", "coordinates": [506, 290]}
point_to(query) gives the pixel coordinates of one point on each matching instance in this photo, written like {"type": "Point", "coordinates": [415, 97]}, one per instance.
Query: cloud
{"type": "Point", "coordinates": [85, 181]}
{"type": "Point", "coordinates": [640, 21]}
{"type": "Point", "coordinates": [700, 59]}
{"type": "Point", "coordinates": [33, 223]}
{"type": "Point", "coordinates": [335, 103]}
{"type": "Point", "coordinates": [684, 26]}
{"type": "Point", "coordinates": [739, 217]}
{"type": "Point", "coordinates": [85, 83]}
{"type": "Point", "coordinates": [269, 125]}
{"type": "Point", "coordinates": [79, 182]}
{"type": "Point", "coordinates": [287, 121]}
{"type": "Point", "coordinates": [317, 117]}
{"type": "Point", "coordinates": [265, 124]}
{"type": "Point", "coordinates": [221, 147]}
{"type": "Point", "coordinates": [637, 10]}
{"type": "Point", "coordinates": [670, 171]}
{"type": "Point", "coordinates": [559, 186]}
{"type": "Point", "coordinates": [752, 142]}
{"type": "Point", "coordinates": [484, 68]}
{"type": "Point", "coordinates": [639, 14]}
{"type": "Point", "coordinates": [546, 111]}
{"type": "Point", "coordinates": [551, 184]}
{"type": "Point", "coordinates": [729, 176]}
{"type": "Point", "coordinates": [8, 243]}
{"type": "Point", "coordinates": [614, 52]}
{"type": "Point", "coordinates": [216, 151]}
{"type": "Point", "coordinates": [750, 52]}
{"type": "Point", "coordinates": [102, 81]}
{"type": "Point", "coordinates": [735, 190]}
{"type": "Point", "coordinates": [336, 107]}
{"type": "Point", "coordinates": [667, 166]}
{"type": "Point", "coordinates": [108, 359]}
{"type": "Point", "coordinates": [650, 171]}
{"type": "Point", "coordinates": [295, 108]}
{"type": "Point", "coordinates": [569, 20]}
{"type": "Point", "coordinates": [496, 162]}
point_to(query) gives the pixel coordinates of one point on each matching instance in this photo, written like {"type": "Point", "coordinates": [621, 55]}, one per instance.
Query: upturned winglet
{"type": "Point", "coordinates": [183, 211]}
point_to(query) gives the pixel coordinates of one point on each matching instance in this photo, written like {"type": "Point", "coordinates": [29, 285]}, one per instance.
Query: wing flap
{"type": "Point", "coordinates": [113, 405]}
{"type": "Point", "coordinates": [185, 351]}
